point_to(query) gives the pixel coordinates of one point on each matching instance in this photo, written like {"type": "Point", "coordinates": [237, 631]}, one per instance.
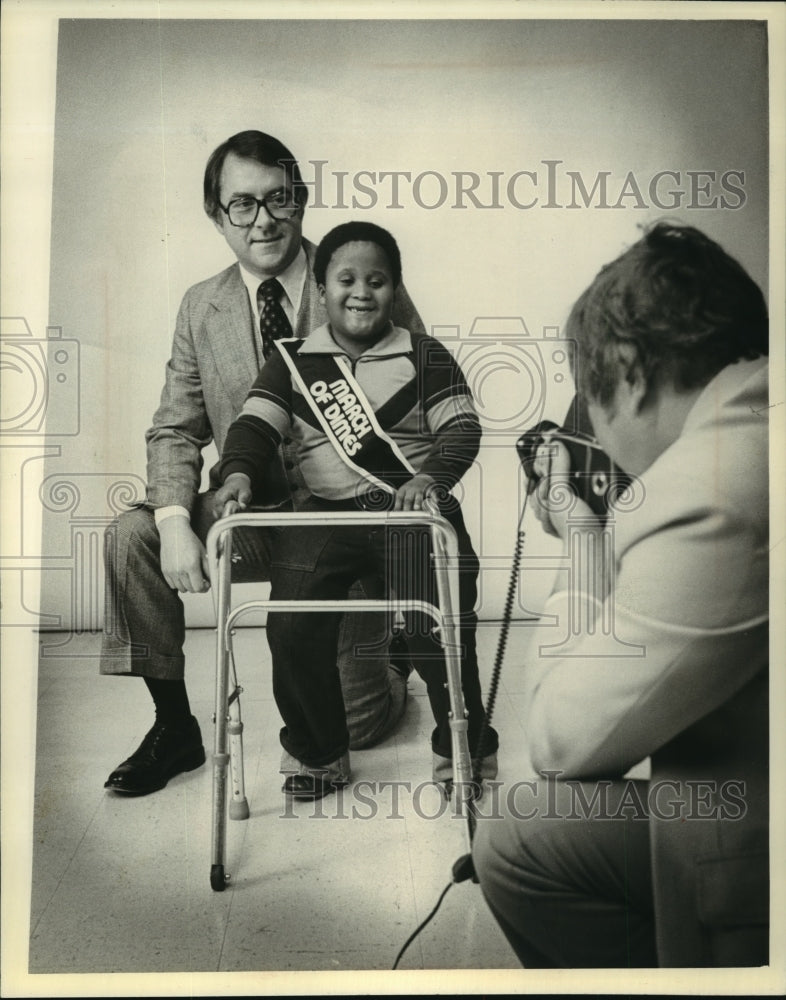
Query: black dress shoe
{"type": "Point", "coordinates": [163, 753]}
{"type": "Point", "coordinates": [309, 786]}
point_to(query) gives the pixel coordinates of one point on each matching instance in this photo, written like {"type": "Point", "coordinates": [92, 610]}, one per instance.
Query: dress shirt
{"type": "Point", "coordinates": [293, 280]}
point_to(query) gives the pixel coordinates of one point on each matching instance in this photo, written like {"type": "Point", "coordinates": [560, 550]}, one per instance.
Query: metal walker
{"type": "Point", "coordinates": [228, 722]}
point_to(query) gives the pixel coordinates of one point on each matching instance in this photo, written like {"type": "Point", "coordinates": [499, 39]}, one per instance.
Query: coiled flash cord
{"type": "Point", "coordinates": [463, 868]}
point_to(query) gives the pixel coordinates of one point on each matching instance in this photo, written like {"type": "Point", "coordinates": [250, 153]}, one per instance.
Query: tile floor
{"type": "Point", "coordinates": [122, 885]}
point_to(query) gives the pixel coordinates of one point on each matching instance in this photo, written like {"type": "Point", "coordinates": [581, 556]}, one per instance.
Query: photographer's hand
{"type": "Point", "coordinates": [558, 508]}
{"type": "Point", "coordinates": [551, 497]}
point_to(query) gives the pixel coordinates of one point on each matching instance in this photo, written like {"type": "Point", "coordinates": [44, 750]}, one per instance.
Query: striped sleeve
{"type": "Point", "coordinates": [450, 413]}
{"type": "Point", "coordinates": [254, 437]}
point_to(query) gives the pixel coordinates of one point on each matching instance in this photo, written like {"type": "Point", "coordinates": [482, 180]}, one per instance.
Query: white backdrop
{"type": "Point", "coordinates": [141, 104]}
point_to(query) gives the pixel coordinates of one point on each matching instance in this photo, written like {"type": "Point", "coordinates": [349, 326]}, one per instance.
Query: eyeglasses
{"type": "Point", "coordinates": [244, 211]}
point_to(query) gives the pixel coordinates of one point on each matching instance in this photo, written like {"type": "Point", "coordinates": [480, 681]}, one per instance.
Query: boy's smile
{"type": "Point", "coordinates": [358, 294]}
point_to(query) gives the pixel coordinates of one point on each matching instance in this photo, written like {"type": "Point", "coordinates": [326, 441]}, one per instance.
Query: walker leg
{"type": "Point", "coordinates": [446, 571]}
{"type": "Point", "coordinates": [238, 804]}
{"type": "Point", "coordinates": [218, 879]}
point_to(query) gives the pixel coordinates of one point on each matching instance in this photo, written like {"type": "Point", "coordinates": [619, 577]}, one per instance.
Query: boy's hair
{"type": "Point", "coordinates": [252, 145]}
{"type": "Point", "coordinates": [685, 307]}
{"type": "Point", "coordinates": [357, 232]}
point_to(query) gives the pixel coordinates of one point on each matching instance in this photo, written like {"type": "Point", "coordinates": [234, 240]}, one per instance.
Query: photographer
{"type": "Point", "coordinates": [672, 343]}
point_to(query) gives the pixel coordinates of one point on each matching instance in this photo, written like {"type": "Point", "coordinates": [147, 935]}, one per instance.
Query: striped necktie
{"type": "Point", "coordinates": [273, 322]}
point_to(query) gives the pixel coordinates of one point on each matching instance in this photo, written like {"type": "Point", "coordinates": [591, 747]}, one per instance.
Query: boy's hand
{"type": "Point", "coordinates": [234, 495]}
{"type": "Point", "coordinates": [413, 493]}
{"type": "Point", "coordinates": [183, 557]}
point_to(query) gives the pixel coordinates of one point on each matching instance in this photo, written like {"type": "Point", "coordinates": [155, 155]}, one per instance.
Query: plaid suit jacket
{"type": "Point", "coordinates": [212, 366]}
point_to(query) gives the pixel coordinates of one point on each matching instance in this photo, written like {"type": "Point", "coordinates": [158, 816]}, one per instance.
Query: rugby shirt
{"type": "Point", "coordinates": [412, 382]}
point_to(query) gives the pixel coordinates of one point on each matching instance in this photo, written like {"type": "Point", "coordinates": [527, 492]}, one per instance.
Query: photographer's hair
{"type": "Point", "coordinates": [357, 232]}
{"type": "Point", "coordinates": [252, 145]}
{"type": "Point", "coordinates": [675, 307]}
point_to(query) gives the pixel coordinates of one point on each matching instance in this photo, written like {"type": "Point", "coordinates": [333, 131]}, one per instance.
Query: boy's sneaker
{"type": "Point", "coordinates": [308, 783]}
{"type": "Point", "coordinates": [482, 768]}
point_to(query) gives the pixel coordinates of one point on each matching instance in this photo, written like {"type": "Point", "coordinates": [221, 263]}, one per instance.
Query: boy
{"type": "Point", "coordinates": [376, 412]}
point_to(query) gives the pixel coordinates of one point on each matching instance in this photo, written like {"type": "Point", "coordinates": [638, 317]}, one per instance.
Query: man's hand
{"type": "Point", "coordinates": [553, 500]}
{"type": "Point", "coordinates": [183, 556]}
{"type": "Point", "coordinates": [233, 496]}
{"type": "Point", "coordinates": [412, 494]}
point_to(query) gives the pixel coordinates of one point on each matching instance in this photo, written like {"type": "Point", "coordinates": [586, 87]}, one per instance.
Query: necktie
{"type": "Point", "coordinates": [273, 322]}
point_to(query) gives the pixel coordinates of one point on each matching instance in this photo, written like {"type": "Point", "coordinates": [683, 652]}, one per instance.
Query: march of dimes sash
{"type": "Point", "coordinates": [346, 416]}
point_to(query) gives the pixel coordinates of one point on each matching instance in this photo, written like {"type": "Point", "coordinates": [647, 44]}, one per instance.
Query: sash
{"type": "Point", "coordinates": [346, 416]}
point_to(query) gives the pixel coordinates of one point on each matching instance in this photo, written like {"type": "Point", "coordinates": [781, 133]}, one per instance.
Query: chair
{"type": "Point", "coordinates": [228, 722]}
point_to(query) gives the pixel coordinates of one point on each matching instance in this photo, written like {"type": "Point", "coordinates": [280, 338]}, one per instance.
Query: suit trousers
{"type": "Point", "coordinates": [144, 620]}
{"type": "Point", "coordinates": [565, 868]}
{"type": "Point", "coordinates": [322, 562]}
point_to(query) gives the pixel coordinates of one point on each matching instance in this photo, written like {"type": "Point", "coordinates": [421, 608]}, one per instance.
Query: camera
{"type": "Point", "coordinates": [594, 477]}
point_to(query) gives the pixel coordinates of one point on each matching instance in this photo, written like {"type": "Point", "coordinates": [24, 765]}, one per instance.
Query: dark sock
{"type": "Point", "coordinates": [398, 653]}
{"type": "Point", "coordinates": [171, 701]}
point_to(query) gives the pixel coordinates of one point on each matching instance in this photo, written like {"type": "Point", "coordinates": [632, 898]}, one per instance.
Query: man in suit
{"type": "Point", "coordinates": [591, 868]}
{"type": "Point", "coordinates": [255, 196]}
